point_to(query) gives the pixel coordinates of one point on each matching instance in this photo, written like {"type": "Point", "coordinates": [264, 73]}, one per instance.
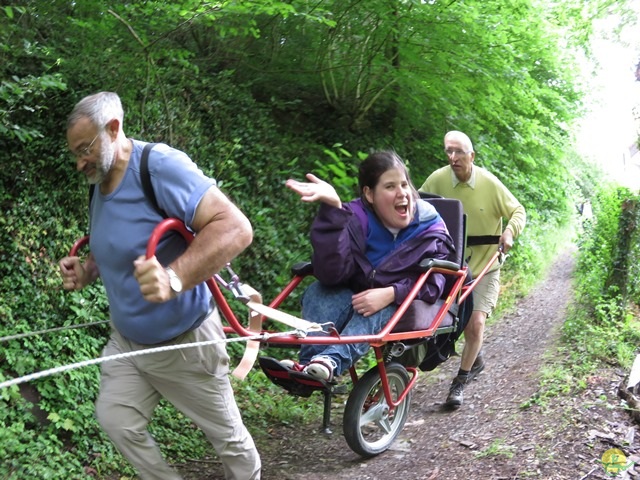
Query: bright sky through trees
{"type": "Point", "coordinates": [609, 130]}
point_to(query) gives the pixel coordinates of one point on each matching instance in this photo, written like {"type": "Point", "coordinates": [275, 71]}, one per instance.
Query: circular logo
{"type": "Point", "coordinates": [614, 461]}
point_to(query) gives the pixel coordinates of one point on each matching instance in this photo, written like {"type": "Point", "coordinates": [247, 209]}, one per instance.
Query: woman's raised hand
{"type": "Point", "coordinates": [315, 190]}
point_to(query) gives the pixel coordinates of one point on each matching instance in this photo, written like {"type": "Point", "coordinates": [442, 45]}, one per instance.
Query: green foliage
{"type": "Point", "coordinates": [607, 270]}
{"type": "Point", "coordinates": [341, 172]}
{"type": "Point", "coordinates": [28, 75]}
{"type": "Point", "coordinates": [555, 381]}
{"type": "Point", "coordinates": [498, 448]}
{"type": "Point", "coordinates": [177, 436]}
{"type": "Point", "coordinates": [265, 404]}
{"type": "Point", "coordinates": [601, 327]}
{"type": "Point", "coordinates": [34, 301]}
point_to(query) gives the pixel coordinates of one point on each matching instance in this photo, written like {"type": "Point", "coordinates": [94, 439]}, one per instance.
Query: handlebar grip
{"type": "Point", "coordinates": [81, 242]}
{"type": "Point", "coordinates": [163, 227]}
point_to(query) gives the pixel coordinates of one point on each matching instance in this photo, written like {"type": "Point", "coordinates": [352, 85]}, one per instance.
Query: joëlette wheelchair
{"type": "Point", "coordinates": [419, 336]}
{"type": "Point", "coordinates": [379, 401]}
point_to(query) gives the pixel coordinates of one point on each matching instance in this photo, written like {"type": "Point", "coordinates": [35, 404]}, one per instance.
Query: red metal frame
{"type": "Point", "coordinates": [457, 294]}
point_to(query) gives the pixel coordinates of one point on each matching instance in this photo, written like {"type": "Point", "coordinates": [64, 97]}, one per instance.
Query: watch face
{"type": "Point", "coordinates": [174, 281]}
{"type": "Point", "coordinates": [176, 284]}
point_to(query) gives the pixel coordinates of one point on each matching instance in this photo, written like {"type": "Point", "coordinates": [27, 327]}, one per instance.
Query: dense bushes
{"type": "Point", "coordinates": [603, 325]}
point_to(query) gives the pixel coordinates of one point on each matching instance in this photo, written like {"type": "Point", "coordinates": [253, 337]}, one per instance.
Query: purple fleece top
{"type": "Point", "coordinates": [339, 239]}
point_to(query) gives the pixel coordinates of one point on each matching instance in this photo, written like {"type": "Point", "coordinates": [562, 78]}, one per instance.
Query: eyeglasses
{"type": "Point", "coordinates": [456, 153]}
{"type": "Point", "coordinates": [86, 151]}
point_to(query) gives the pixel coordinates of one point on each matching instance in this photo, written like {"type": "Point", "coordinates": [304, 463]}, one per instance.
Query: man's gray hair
{"type": "Point", "coordinates": [100, 107]}
{"type": "Point", "coordinates": [461, 137]}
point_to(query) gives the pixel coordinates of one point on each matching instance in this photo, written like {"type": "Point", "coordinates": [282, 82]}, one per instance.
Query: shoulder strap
{"type": "Point", "coordinates": [145, 178]}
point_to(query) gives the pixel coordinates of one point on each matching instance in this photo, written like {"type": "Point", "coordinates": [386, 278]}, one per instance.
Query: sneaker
{"type": "Point", "coordinates": [477, 366]}
{"type": "Point", "coordinates": [291, 365]}
{"type": "Point", "coordinates": [321, 368]}
{"type": "Point", "coordinates": [456, 392]}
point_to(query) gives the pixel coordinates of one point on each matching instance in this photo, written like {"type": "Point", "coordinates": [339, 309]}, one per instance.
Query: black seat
{"type": "Point", "coordinates": [454, 218]}
{"type": "Point", "coordinates": [420, 314]}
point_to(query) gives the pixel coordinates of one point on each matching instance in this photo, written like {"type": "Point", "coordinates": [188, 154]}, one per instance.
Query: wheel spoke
{"type": "Point", "coordinates": [385, 424]}
{"type": "Point", "coordinates": [372, 415]}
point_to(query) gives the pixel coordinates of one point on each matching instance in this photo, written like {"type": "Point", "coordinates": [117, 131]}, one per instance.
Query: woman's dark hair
{"type": "Point", "coordinates": [374, 166]}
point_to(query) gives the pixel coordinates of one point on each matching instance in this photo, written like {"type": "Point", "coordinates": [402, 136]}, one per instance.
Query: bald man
{"type": "Point", "coordinates": [486, 201]}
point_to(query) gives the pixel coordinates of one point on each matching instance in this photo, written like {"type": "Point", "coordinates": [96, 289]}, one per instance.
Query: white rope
{"type": "Point", "coordinates": [49, 330]}
{"type": "Point", "coordinates": [302, 327]}
{"type": "Point", "coordinates": [95, 361]}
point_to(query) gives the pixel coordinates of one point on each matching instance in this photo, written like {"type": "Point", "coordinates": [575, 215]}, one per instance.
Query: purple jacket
{"type": "Point", "coordinates": [339, 240]}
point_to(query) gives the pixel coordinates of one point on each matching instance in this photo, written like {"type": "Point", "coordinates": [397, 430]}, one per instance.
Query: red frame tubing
{"type": "Point", "coordinates": [385, 380]}
{"type": "Point", "coordinates": [236, 327]}
{"type": "Point", "coordinates": [81, 242]}
{"type": "Point", "coordinates": [377, 341]}
{"type": "Point", "coordinates": [169, 224]}
{"type": "Point", "coordinates": [467, 290]}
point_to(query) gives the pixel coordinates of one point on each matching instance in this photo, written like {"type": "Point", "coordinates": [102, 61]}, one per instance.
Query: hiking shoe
{"type": "Point", "coordinates": [456, 392]}
{"type": "Point", "coordinates": [477, 366]}
{"type": "Point", "coordinates": [321, 368]}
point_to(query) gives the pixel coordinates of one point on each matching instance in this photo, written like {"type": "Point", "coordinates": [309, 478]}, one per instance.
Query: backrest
{"type": "Point", "coordinates": [452, 213]}
{"type": "Point", "coordinates": [420, 315]}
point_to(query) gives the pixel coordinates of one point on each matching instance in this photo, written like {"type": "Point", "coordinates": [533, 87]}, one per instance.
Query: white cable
{"type": "Point", "coordinates": [56, 329]}
{"type": "Point", "coordinates": [95, 361]}
{"type": "Point", "coordinates": [302, 327]}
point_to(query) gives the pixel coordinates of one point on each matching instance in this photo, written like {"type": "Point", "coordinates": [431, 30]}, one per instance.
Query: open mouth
{"type": "Point", "coordinates": [402, 209]}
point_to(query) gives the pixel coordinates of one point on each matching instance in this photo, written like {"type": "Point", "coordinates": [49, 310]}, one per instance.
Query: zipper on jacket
{"type": "Point", "coordinates": [372, 276]}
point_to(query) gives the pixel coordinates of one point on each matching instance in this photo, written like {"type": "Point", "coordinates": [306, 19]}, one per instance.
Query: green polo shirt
{"type": "Point", "coordinates": [486, 201]}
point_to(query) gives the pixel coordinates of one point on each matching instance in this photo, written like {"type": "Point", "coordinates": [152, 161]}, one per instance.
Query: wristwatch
{"type": "Point", "coordinates": [174, 281]}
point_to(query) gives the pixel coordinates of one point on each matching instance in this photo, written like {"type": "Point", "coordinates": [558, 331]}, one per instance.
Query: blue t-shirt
{"type": "Point", "coordinates": [121, 224]}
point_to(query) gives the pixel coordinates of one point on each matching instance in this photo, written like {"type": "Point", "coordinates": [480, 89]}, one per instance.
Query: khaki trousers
{"type": "Point", "coordinates": [195, 380]}
{"type": "Point", "coordinates": [486, 292]}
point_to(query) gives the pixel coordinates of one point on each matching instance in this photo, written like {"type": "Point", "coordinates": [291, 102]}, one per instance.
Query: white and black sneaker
{"type": "Point", "coordinates": [321, 368]}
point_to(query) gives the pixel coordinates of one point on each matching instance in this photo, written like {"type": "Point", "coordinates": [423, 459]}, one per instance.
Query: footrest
{"type": "Point", "coordinates": [308, 380]}
{"type": "Point", "coordinates": [301, 384]}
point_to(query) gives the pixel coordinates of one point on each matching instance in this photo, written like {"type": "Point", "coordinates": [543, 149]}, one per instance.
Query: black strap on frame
{"type": "Point", "coordinates": [482, 240]}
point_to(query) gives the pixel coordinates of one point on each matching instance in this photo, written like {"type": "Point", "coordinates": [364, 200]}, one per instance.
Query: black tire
{"type": "Point", "coordinates": [369, 427]}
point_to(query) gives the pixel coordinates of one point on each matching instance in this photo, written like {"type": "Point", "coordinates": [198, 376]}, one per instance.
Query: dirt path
{"type": "Point", "coordinates": [491, 436]}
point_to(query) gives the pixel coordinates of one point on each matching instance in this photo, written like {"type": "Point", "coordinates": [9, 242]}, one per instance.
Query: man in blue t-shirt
{"type": "Point", "coordinates": [161, 300]}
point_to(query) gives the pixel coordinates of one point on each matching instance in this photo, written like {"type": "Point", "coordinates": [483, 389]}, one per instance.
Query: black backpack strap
{"type": "Point", "coordinates": [145, 178]}
{"type": "Point", "coordinates": [92, 188]}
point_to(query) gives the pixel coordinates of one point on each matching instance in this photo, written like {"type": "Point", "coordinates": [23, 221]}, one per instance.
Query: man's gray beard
{"type": "Point", "coordinates": [106, 160]}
